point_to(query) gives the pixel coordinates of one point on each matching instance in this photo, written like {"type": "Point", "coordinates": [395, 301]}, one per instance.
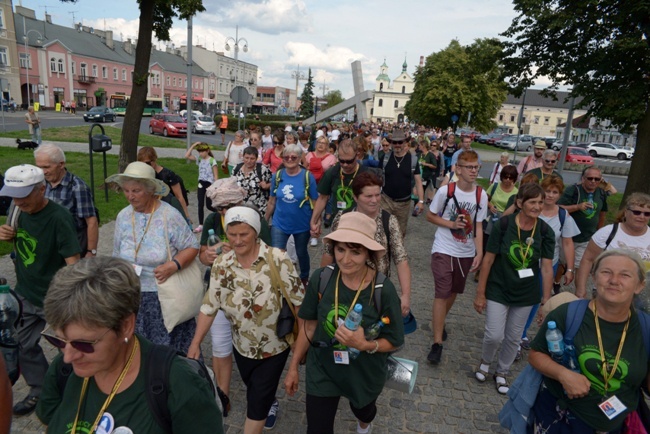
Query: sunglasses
{"type": "Point", "coordinates": [550, 161]}
{"type": "Point", "coordinates": [401, 142]}
{"type": "Point", "coordinates": [350, 161]}
{"type": "Point", "coordinates": [290, 158]}
{"type": "Point", "coordinates": [639, 212]}
{"type": "Point", "coordinates": [592, 178]}
{"type": "Point", "coordinates": [276, 143]}
{"type": "Point", "coordinates": [87, 347]}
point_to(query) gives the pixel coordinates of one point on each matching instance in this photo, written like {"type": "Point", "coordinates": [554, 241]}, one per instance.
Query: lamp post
{"type": "Point", "coordinates": [28, 58]}
{"type": "Point", "coordinates": [235, 43]}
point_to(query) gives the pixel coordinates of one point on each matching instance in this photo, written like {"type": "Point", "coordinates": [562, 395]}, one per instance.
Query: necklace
{"type": "Point", "coordinates": [400, 161]}
{"type": "Point", "coordinates": [110, 397]}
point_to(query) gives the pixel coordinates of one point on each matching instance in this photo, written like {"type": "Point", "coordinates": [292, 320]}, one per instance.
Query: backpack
{"type": "Point", "coordinates": [157, 367]}
{"type": "Point", "coordinates": [451, 194]}
{"type": "Point", "coordinates": [278, 180]}
{"type": "Point", "coordinates": [326, 274]}
{"type": "Point", "coordinates": [258, 169]}
{"type": "Point", "coordinates": [611, 236]}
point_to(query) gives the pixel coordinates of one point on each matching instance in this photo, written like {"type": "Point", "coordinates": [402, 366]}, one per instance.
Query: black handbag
{"type": "Point", "coordinates": [287, 325]}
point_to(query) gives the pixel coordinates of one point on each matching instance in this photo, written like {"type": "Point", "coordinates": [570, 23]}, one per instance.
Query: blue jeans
{"type": "Point", "coordinates": [279, 239]}
{"type": "Point", "coordinates": [36, 135]}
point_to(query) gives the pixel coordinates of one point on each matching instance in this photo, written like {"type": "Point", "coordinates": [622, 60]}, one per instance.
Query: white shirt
{"type": "Point", "coordinates": [639, 244]}
{"type": "Point", "coordinates": [569, 230]}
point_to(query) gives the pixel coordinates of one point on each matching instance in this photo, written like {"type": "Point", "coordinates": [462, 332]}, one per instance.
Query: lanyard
{"type": "Point", "coordinates": [138, 244]}
{"type": "Point", "coordinates": [356, 297]}
{"type": "Point", "coordinates": [223, 236]}
{"type": "Point", "coordinates": [603, 369]}
{"type": "Point", "coordinates": [110, 397]}
{"type": "Point", "coordinates": [529, 241]}
{"type": "Point", "coordinates": [351, 179]}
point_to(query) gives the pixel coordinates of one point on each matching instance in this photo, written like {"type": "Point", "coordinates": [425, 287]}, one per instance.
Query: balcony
{"type": "Point", "coordinates": [83, 79]}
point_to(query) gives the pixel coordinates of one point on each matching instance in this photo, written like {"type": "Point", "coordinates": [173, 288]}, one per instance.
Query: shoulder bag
{"type": "Point", "coordinates": [287, 326]}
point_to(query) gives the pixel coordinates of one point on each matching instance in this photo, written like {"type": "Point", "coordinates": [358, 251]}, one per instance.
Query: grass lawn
{"type": "Point", "coordinates": [80, 135]}
{"type": "Point", "coordinates": [78, 163]}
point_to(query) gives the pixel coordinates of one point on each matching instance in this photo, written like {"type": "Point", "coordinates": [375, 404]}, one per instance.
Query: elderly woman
{"type": "Point", "coordinates": [142, 231]}
{"type": "Point", "coordinates": [233, 154]}
{"type": "Point", "coordinates": [353, 280]}
{"type": "Point", "coordinates": [519, 249]}
{"type": "Point", "coordinates": [242, 287]}
{"type": "Point", "coordinates": [255, 178]}
{"type": "Point", "coordinates": [273, 157]}
{"type": "Point", "coordinates": [290, 206]}
{"type": "Point", "coordinates": [366, 189]}
{"type": "Point", "coordinates": [91, 308]}
{"type": "Point", "coordinates": [504, 160]}
{"type": "Point", "coordinates": [267, 139]}
{"type": "Point", "coordinates": [611, 351]}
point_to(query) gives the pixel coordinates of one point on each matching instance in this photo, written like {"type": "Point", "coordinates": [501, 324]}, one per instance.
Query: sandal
{"type": "Point", "coordinates": [480, 374]}
{"type": "Point", "coordinates": [502, 386]}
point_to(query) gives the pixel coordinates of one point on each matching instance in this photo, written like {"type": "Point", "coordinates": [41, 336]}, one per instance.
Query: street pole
{"type": "Point", "coordinates": [521, 114]}
{"type": "Point", "coordinates": [28, 57]}
{"type": "Point", "coordinates": [567, 132]}
{"type": "Point", "coordinates": [188, 98]}
{"type": "Point", "coordinates": [236, 41]}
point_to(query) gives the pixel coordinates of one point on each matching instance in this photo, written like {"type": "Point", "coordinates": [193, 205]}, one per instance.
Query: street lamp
{"type": "Point", "coordinates": [28, 57]}
{"type": "Point", "coordinates": [235, 43]}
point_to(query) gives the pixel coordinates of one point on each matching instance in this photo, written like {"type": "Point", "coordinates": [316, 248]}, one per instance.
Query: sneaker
{"type": "Point", "coordinates": [273, 415]}
{"type": "Point", "coordinates": [525, 344]}
{"type": "Point", "coordinates": [435, 354]}
{"type": "Point", "coordinates": [26, 406]}
{"type": "Point", "coordinates": [366, 430]}
{"type": "Point", "coordinates": [518, 355]}
{"type": "Point", "coordinates": [313, 242]}
{"type": "Point", "coordinates": [198, 229]}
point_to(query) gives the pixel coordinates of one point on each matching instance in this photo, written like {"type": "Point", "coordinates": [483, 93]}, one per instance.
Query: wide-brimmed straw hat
{"type": "Point", "coordinates": [357, 228]}
{"type": "Point", "coordinates": [142, 172]}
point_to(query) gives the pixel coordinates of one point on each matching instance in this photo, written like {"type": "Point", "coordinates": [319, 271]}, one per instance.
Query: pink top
{"type": "Point", "coordinates": [272, 160]}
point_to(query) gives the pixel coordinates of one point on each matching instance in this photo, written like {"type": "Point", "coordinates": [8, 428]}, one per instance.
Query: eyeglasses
{"type": "Point", "coordinates": [592, 178]}
{"type": "Point", "coordinates": [472, 168]}
{"type": "Point", "coordinates": [350, 161]}
{"type": "Point", "coordinates": [550, 161]}
{"type": "Point", "coordinates": [276, 143]}
{"type": "Point", "coordinates": [401, 142]}
{"type": "Point", "coordinates": [639, 212]}
{"type": "Point", "coordinates": [290, 158]}
{"type": "Point", "coordinates": [79, 345]}
{"type": "Point", "coordinates": [225, 207]}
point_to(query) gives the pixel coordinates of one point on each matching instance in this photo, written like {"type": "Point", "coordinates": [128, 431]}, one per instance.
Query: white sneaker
{"type": "Point", "coordinates": [313, 242]}
{"type": "Point", "coordinates": [367, 430]}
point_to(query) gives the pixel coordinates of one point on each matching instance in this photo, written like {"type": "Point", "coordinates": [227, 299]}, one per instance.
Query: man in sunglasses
{"type": "Point", "coordinates": [532, 161]}
{"type": "Point", "coordinates": [587, 204]}
{"type": "Point", "coordinates": [549, 159]}
{"type": "Point", "coordinates": [45, 240]}
{"type": "Point", "coordinates": [336, 181]}
{"type": "Point", "coordinates": [401, 172]}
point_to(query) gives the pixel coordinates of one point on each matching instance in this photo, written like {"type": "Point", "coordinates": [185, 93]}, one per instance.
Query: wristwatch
{"type": "Point", "coordinates": [93, 251]}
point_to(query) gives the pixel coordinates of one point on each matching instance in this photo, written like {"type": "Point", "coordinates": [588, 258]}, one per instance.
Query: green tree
{"type": "Point", "coordinates": [601, 49]}
{"type": "Point", "coordinates": [333, 97]}
{"type": "Point", "coordinates": [307, 98]}
{"type": "Point", "coordinates": [155, 17]}
{"type": "Point", "coordinates": [459, 80]}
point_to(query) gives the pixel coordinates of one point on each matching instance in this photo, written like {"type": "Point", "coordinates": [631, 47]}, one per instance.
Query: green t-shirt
{"type": "Point", "coordinates": [330, 185]}
{"type": "Point", "coordinates": [504, 284]}
{"type": "Point", "coordinates": [540, 175]}
{"type": "Point", "coordinates": [211, 223]}
{"type": "Point", "coordinates": [43, 241]}
{"type": "Point", "coordinates": [363, 379]}
{"type": "Point", "coordinates": [191, 403]}
{"type": "Point", "coordinates": [587, 220]}
{"type": "Point", "coordinates": [630, 374]}
{"type": "Point", "coordinates": [427, 172]}
{"type": "Point", "coordinates": [499, 198]}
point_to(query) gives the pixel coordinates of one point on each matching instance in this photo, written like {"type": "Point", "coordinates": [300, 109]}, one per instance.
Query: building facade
{"type": "Point", "coordinates": [390, 98]}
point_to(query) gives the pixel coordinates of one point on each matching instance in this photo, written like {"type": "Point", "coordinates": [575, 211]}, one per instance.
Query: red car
{"type": "Point", "coordinates": [494, 139]}
{"type": "Point", "coordinates": [578, 156]}
{"type": "Point", "coordinates": [168, 125]}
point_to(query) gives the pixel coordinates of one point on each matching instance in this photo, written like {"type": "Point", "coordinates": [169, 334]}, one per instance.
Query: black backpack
{"type": "Point", "coordinates": [4, 200]}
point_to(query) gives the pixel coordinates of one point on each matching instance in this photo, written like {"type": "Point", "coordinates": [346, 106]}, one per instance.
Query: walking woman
{"type": "Point", "coordinates": [273, 157]}
{"type": "Point", "coordinates": [208, 173]}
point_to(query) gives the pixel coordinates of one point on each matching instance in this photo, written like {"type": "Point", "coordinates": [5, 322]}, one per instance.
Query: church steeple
{"type": "Point", "coordinates": [404, 65]}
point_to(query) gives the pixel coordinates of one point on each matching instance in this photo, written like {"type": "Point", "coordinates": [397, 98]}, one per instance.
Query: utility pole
{"type": "Point", "coordinates": [298, 76]}
{"type": "Point", "coordinates": [324, 88]}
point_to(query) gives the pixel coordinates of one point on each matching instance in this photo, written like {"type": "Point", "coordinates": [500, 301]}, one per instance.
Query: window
{"type": "Point", "coordinates": [52, 64]}
{"type": "Point", "coordinates": [25, 60]}
{"type": "Point", "coordinates": [381, 102]}
{"type": "Point", "coordinates": [523, 119]}
{"type": "Point", "coordinates": [4, 57]}
{"type": "Point", "coordinates": [547, 120]}
{"type": "Point", "coordinates": [501, 117]}
{"type": "Point", "coordinates": [396, 104]}
{"type": "Point", "coordinates": [559, 121]}
{"type": "Point", "coordinates": [61, 67]}
{"type": "Point", "coordinates": [220, 87]}
{"type": "Point", "coordinates": [94, 70]}
{"type": "Point", "coordinates": [174, 81]}
{"type": "Point", "coordinates": [83, 69]}
{"type": "Point", "coordinates": [512, 118]}
{"type": "Point", "coordinates": [381, 87]}
{"type": "Point", "coordinates": [115, 76]}
{"type": "Point", "coordinates": [536, 120]}
{"type": "Point", "coordinates": [74, 68]}
{"type": "Point", "coordinates": [104, 72]}
{"type": "Point", "coordinates": [185, 81]}
{"type": "Point", "coordinates": [123, 74]}
{"type": "Point", "coordinates": [167, 80]}
{"type": "Point", "coordinates": [403, 89]}
{"type": "Point", "coordinates": [2, 18]}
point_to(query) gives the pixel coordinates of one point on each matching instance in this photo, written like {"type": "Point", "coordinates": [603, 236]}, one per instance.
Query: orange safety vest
{"type": "Point", "coordinates": [224, 122]}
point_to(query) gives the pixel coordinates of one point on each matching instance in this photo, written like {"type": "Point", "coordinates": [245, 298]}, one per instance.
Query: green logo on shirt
{"type": "Point", "coordinates": [590, 362]}
{"type": "Point", "coordinates": [590, 212]}
{"type": "Point", "coordinates": [26, 247]}
{"type": "Point", "coordinates": [330, 324]}
{"type": "Point", "coordinates": [516, 255]}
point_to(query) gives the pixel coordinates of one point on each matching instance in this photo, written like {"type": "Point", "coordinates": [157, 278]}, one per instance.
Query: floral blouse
{"type": "Point", "coordinates": [251, 183]}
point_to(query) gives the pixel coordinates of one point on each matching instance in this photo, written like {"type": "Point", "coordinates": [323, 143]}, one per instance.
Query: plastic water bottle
{"type": "Point", "coordinates": [373, 331]}
{"type": "Point", "coordinates": [352, 322]}
{"type": "Point", "coordinates": [590, 201]}
{"type": "Point", "coordinates": [570, 358]}
{"type": "Point", "coordinates": [9, 311]}
{"type": "Point", "coordinates": [213, 240]}
{"type": "Point", "coordinates": [555, 342]}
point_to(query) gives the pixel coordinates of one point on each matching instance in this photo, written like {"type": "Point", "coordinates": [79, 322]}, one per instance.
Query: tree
{"type": "Point", "coordinates": [155, 16]}
{"type": "Point", "coordinates": [601, 49]}
{"type": "Point", "coordinates": [307, 98]}
{"type": "Point", "coordinates": [459, 80]}
{"type": "Point", "coordinates": [332, 97]}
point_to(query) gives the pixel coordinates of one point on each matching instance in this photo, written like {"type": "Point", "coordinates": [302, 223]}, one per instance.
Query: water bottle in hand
{"type": "Point", "coordinates": [213, 240]}
{"type": "Point", "coordinates": [352, 322]}
{"type": "Point", "coordinates": [570, 357]}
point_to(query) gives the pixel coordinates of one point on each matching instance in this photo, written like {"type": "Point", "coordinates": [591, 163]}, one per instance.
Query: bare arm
{"type": "Point", "coordinates": [166, 269]}
{"type": "Point", "coordinates": [590, 255]}
{"type": "Point", "coordinates": [547, 279]}
{"type": "Point", "coordinates": [601, 219]}
{"type": "Point", "coordinates": [203, 324]}
{"type": "Point", "coordinates": [319, 207]}
{"type": "Point", "coordinates": [92, 232]}
{"type": "Point", "coordinates": [270, 209]}
{"type": "Point", "coordinates": [188, 153]}
{"type": "Point", "coordinates": [478, 243]}
{"type": "Point", "coordinates": [307, 329]}
{"type": "Point", "coordinates": [404, 277]}
{"type": "Point", "coordinates": [570, 256]}
{"type": "Point", "coordinates": [575, 385]}
{"type": "Point", "coordinates": [71, 260]}
{"type": "Point", "coordinates": [480, 302]}
{"type": "Point", "coordinates": [178, 194]}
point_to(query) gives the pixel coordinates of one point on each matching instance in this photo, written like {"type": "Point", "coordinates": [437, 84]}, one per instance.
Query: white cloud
{"type": "Point", "coordinates": [331, 58]}
{"type": "Point", "coordinates": [265, 16]}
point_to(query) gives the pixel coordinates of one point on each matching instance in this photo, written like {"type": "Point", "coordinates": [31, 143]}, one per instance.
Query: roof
{"type": "Point", "coordinates": [92, 45]}
{"type": "Point", "coordinates": [534, 98]}
{"type": "Point", "coordinates": [581, 122]}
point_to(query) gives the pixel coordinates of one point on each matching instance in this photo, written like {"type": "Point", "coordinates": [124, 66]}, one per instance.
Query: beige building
{"type": "Point", "coordinates": [390, 98]}
{"type": "Point", "coordinates": [9, 62]}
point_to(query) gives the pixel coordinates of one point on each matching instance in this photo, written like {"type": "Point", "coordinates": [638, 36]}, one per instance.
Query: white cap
{"type": "Point", "coordinates": [21, 180]}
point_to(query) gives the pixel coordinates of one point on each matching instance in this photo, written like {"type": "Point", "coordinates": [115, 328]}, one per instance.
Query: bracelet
{"type": "Point", "coordinates": [376, 348]}
{"type": "Point", "coordinates": [178, 264]}
{"type": "Point", "coordinates": [570, 270]}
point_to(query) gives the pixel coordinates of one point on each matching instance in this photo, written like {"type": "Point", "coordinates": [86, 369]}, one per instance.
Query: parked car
{"type": "Point", "coordinates": [495, 138]}
{"type": "Point", "coordinates": [99, 114]}
{"type": "Point", "coordinates": [600, 149]}
{"type": "Point", "coordinates": [183, 113]}
{"type": "Point", "coordinates": [557, 145]}
{"type": "Point", "coordinates": [578, 155]}
{"type": "Point", "coordinates": [482, 138]}
{"type": "Point", "coordinates": [168, 125]}
{"type": "Point", "coordinates": [525, 143]}
{"type": "Point", "coordinates": [203, 124]}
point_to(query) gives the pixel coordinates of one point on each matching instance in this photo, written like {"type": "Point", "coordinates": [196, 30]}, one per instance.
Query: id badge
{"type": "Point", "coordinates": [341, 357]}
{"type": "Point", "coordinates": [340, 204]}
{"type": "Point", "coordinates": [138, 269]}
{"type": "Point", "coordinates": [526, 272]}
{"type": "Point", "coordinates": [612, 407]}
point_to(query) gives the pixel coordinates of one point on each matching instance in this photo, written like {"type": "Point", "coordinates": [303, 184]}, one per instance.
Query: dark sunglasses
{"type": "Point", "coordinates": [639, 212]}
{"type": "Point", "coordinates": [550, 161]}
{"type": "Point", "coordinates": [401, 142]}
{"type": "Point", "coordinates": [79, 345]}
{"type": "Point", "coordinates": [148, 162]}
{"type": "Point", "coordinates": [592, 178]}
{"type": "Point", "coordinates": [290, 158]}
{"type": "Point", "coordinates": [350, 161]}
{"type": "Point", "coordinates": [276, 143]}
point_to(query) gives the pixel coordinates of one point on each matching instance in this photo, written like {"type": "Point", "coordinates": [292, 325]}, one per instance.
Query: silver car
{"type": "Point", "coordinates": [525, 143]}
{"type": "Point", "coordinates": [203, 124]}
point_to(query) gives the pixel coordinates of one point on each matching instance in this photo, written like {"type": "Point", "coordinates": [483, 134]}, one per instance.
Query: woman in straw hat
{"type": "Point", "coordinates": [142, 231]}
{"type": "Point", "coordinates": [331, 371]}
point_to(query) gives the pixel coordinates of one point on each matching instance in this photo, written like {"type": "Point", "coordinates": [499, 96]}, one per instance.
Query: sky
{"type": "Point", "coordinates": [326, 36]}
